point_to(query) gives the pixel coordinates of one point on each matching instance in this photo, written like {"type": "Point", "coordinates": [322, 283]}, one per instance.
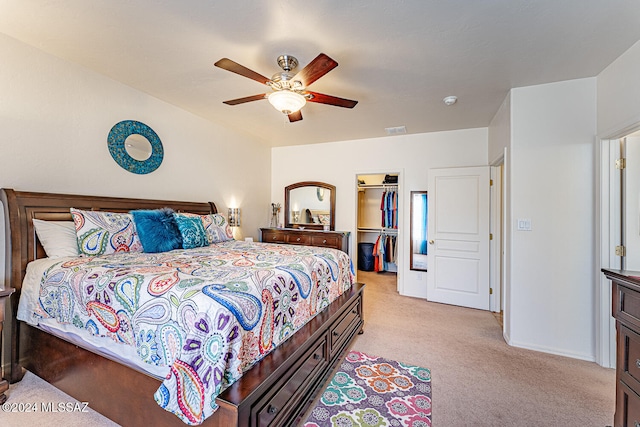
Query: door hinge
{"type": "Point", "coordinates": [490, 182]}
{"type": "Point", "coordinates": [621, 251]}
{"type": "Point", "coordinates": [490, 236]}
{"type": "Point", "coordinates": [621, 163]}
{"type": "Point", "coordinates": [490, 291]}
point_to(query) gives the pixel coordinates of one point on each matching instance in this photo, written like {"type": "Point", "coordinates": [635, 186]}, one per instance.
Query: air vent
{"type": "Point", "coordinates": [398, 130]}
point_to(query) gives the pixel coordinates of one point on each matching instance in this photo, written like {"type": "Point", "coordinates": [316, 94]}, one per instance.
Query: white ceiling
{"type": "Point", "coordinates": [398, 58]}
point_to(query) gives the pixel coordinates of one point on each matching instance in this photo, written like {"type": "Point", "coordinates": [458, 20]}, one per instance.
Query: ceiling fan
{"type": "Point", "coordinates": [289, 91]}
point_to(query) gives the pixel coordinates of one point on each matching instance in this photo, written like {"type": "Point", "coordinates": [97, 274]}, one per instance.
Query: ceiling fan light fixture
{"type": "Point", "coordinates": [287, 101]}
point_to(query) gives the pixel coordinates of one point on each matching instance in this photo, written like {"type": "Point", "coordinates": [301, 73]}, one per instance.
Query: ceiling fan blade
{"type": "Point", "coordinates": [245, 99]}
{"type": "Point", "coordinates": [315, 69]}
{"type": "Point", "coordinates": [234, 67]}
{"type": "Point", "coordinates": [331, 100]}
{"type": "Point", "coordinates": [294, 117]}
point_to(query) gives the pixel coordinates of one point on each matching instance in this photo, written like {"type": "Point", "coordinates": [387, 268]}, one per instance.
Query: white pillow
{"type": "Point", "coordinates": [58, 238]}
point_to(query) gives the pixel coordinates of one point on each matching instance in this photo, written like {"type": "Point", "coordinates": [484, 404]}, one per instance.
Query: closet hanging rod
{"type": "Point", "coordinates": [362, 187]}
{"type": "Point", "coordinates": [389, 231]}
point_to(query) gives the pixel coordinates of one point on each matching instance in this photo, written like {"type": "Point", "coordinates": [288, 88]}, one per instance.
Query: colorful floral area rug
{"type": "Point", "coordinates": [372, 391]}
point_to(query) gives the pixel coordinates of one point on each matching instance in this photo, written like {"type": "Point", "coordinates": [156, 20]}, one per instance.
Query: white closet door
{"type": "Point", "coordinates": [458, 224]}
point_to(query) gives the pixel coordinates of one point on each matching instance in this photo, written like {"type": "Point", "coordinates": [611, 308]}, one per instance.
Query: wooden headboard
{"type": "Point", "coordinates": [21, 242]}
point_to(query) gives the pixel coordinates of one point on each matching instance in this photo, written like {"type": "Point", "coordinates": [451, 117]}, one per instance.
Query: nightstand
{"type": "Point", "coordinates": [4, 384]}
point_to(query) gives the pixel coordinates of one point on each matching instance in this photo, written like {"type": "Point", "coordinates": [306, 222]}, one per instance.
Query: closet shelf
{"type": "Point", "coordinates": [378, 230]}
{"type": "Point", "coordinates": [363, 187]}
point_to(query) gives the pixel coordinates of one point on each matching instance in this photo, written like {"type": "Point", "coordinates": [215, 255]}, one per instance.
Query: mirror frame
{"type": "Point", "coordinates": [411, 224]}
{"type": "Point", "coordinates": [332, 205]}
{"type": "Point", "coordinates": [116, 140]}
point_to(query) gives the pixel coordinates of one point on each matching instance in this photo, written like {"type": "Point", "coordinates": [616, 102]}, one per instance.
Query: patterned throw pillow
{"type": "Point", "coordinates": [217, 228]}
{"type": "Point", "coordinates": [157, 229]}
{"type": "Point", "coordinates": [101, 233]}
{"type": "Point", "coordinates": [192, 231]}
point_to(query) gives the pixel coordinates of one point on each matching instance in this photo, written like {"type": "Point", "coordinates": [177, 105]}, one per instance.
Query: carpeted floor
{"type": "Point", "coordinates": [476, 378]}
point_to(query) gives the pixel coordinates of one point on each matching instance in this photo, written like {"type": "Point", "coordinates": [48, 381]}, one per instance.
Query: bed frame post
{"type": "Point", "coordinates": [13, 271]}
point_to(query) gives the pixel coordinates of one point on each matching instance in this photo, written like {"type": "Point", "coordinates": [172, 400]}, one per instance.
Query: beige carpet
{"type": "Point", "coordinates": [31, 402]}
{"type": "Point", "coordinates": [477, 379]}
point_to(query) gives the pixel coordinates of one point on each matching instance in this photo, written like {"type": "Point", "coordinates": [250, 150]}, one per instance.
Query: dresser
{"type": "Point", "coordinates": [295, 236]}
{"type": "Point", "coordinates": [626, 311]}
{"type": "Point", "coordinates": [4, 296]}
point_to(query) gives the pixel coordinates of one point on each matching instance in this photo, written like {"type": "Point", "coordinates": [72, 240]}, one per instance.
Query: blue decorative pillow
{"type": "Point", "coordinates": [192, 231]}
{"type": "Point", "coordinates": [157, 230]}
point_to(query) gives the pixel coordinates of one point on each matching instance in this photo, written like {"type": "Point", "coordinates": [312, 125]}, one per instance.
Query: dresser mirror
{"type": "Point", "coordinates": [310, 204]}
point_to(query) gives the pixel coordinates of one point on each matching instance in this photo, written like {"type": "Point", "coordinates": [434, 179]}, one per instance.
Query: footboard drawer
{"type": "Point", "coordinates": [345, 327]}
{"type": "Point", "coordinates": [273, 409]}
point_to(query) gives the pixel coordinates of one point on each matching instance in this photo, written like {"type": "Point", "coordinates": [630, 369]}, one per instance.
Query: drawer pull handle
{"type": "Point", "coordinates": [335, 333]}
{"type": "Point", "coordinates": [298, 239]}
{"type": "Point", "coordinates": [354, 311]}
{"type": "Point", "coordinates": [638, 366]}
{"type": "Point", "coordinates": [316, 356]}
{"type": "Point", "coordinates": [324, 241]}
{"type": "Point", "coordinates": [272, 409]}
{"type": "Point", "coordinates": [636, 424]}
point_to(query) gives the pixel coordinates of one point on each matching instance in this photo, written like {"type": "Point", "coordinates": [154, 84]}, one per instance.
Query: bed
{"type": "Point", "coordinates": [276, 390]}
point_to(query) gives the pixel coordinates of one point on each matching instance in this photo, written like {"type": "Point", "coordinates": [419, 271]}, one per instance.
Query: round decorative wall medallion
{"type": "Point", "coordinates": [135, 147]}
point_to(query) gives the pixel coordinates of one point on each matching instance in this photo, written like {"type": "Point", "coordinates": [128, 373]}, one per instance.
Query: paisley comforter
{"type": "Point", "coordinates": [208, 314]}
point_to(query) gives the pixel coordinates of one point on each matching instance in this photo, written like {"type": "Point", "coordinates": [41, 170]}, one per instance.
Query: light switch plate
{"type": "Point", "coordinates": [524, 224]}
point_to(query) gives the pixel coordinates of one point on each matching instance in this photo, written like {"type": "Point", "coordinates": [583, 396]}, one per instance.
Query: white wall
{"type": "Point", "coordinates": [500, 131]}
{"type": "Point", "coordinates": [54, 120]}
{"type": "Point", "coordinates": [619, 94]}
{"type": "Point", "coordinates": [552, 184]}
{"type": "Point", "coordinates": [412, 156]}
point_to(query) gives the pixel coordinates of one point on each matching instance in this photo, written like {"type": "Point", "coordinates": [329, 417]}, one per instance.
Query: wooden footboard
{"type": "Point", "coordinates": [275, 392]}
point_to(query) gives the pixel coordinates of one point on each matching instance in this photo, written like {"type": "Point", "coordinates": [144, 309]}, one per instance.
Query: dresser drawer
{"type": "Point", "coordinates": [326, 241]}
{"type": "Point", "coordinates": [626, 306]}
{"type": "Point", "coordinates": [272, 409]}
{"type": "Point", "coordinates": [298, 239]}
{"type": "Point", "coordinates": [627, 407]}
{"type": "Point", "coordinates": [630, 355]}
{"type": "Point", "coordinates": [344, 327]}
{"type": "Point", "coordinates": [273, 237]}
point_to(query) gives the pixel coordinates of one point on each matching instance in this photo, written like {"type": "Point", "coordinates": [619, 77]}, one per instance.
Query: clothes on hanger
{"type": "Point", "coordinates": [389, 208]}
{"type": "Point", "coordinates": [385, 251]}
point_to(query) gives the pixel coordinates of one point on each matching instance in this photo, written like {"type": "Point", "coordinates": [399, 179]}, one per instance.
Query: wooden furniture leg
{"type": "Point", "coordinates": [4, 384]}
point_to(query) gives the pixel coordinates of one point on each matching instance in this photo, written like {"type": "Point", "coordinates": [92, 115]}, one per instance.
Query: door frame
{"type": "Point", "coordinates": [608, 226]}
{"type": "Point", "coordinates": [496, 245]}
{"type": "Point", "coordinates": [401, 222]}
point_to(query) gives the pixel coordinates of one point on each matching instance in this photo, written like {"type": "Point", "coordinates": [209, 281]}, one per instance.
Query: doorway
{"type": "Point", "coordinates": [378, 217]}
{"type": "Point", "coordinates": [497, 241]}
{"type": "Point", "coordinates": [618, 227]}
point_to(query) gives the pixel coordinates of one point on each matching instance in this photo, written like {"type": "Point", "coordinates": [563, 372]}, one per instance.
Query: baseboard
{"type": "Point", "coordinates": [551, 350]}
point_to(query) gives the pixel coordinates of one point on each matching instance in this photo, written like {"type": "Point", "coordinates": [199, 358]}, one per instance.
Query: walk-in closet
{"type": "Point", "coordinates": [378, 216]}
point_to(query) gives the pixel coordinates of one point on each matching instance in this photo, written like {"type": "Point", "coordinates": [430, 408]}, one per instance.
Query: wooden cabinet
{"type": "Point", "coordinates": [626, 310]}
{"type": "Point", "coordinates": [294, 236]}
{"type": "Point", "coordinates": [4, 296]}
